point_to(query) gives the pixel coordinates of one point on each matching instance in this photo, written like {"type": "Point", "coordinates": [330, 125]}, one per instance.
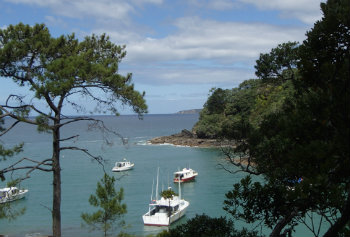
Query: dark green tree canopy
{"type": "Point", "coordinates": [292, 123]}
{"type": "Point", "coordinates": [57, 68]}
{"type": "Point", "coordinates": [205, 226]}
{"type": "Point", "coordinates": [279, 64]}
{"type": "Point", "coordinates": [308, 138]}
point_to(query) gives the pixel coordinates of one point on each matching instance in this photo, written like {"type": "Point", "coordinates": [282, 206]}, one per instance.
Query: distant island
{"type": "Point", "coordinates": [190, 111]}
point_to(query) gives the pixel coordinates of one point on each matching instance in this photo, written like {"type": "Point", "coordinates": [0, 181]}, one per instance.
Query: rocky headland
{"type": "Point", "coordinates": [186, 138]}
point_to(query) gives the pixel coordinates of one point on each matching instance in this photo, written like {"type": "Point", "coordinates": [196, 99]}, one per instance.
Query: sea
{"type": "Point", "coordinates": [129, 140]}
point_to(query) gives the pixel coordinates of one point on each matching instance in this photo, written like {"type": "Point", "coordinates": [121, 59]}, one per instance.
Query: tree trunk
{"type": "Point", "coordinates": [56, 205]}
{"type": "Point", "coordinates": [276, 232]}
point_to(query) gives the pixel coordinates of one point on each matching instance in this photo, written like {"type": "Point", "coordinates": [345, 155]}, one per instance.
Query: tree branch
{"type": "Point", "coordinates": [38, 165]}
{"type": "Point", "coordinates": [9, 128]}
{"type": "Point", "coordinates": [99, 159]}
{"type": "Point", "coordinates": [21, 119]}
{"type": "Point", "coordinates": [342, 221]}
{"type": "Point", "coordinates": [23, 105]}
{"type": "Point", "coordinates": [243, 163]}
{"type": "Point", "coordinates": [69, 138]}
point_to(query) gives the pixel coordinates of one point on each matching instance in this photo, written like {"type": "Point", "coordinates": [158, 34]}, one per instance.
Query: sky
{"type": "Point", "coordinates": [177, 50]}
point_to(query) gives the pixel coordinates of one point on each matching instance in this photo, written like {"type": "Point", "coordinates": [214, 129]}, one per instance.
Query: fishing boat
{"type": "Point", "coordinates": [165, 211]}
{"type": "Point", "coordinates": [123, 166]}
{"type": "Point", "coordinates": [185, 175]}
{"type": "Point", "coordinates": [11, 194]}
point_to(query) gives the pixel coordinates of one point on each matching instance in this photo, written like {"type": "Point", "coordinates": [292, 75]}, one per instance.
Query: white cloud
{"type": "Point", "coordinates": [308, 11]}
{"type": "Point", "coordinates": [219, 5]}
{"type": "Point", "coordinates": [202, 51]}
{"type": "Point", "coordinates": [101, 9]}
{"type": "Point", "coordinates": [220, 42]}
{"type": "Point", "coordinates": [224, 77]}
{"type": "Point", "coordinates": [198, 50]}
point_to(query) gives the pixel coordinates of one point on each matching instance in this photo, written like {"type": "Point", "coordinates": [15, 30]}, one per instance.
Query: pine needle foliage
{"type": "Point", "coordinates": [111, 209]}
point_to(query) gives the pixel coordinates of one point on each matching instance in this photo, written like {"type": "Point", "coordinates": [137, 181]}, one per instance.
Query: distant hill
{"type": "Point", "coordinates": [190, 111]}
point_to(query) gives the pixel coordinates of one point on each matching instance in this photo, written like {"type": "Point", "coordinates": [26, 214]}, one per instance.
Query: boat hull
{"type": "Point", "coordinates": [162, 219]}
{"type": "Point", "coordinates": [11, 198]}
{"type": "Point", "coordinates": [119, 169]}
{"type": "Point", "coordinates": [189, 179]}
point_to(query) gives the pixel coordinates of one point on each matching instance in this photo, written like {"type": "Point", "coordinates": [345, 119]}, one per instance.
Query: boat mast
{"type": "Point", "coordinates": [179, 190]}
{"type": "Point", "coordinates": [152, 190]}
{"type": "Point", "coordinates": [157, 185]}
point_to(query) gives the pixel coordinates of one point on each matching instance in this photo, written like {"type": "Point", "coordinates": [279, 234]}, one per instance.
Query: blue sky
{"type": "Point", "coordinates": [177, 50]}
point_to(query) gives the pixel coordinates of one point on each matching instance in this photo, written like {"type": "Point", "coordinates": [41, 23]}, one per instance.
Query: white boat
{"type": "Point", "coordinates": [185, 175]}
{"type": "Point", "coordinates": [123, 166]}
{"type": "Point", "coordinates": [11, 194]}
{"type": "Point", "coordinates": [165, 211]}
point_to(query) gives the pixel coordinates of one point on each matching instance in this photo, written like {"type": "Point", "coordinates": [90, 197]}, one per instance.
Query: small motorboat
{"type": "Point", "coordinates": [11, 194]}
{"type": "Point", "coordinates": [123, 166]}
{"type": "Point", "coordinates": [185, 175]}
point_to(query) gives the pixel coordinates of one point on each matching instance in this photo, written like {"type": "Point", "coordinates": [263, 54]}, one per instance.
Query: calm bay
{"type": "Point", "coordinates": [80, 174]}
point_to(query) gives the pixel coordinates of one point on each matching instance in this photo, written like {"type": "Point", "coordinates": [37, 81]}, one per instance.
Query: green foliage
{"type": "Point", "coordinates": [13, 183]}
{"type": "Point", "coordinates": [168, 194]}
{"type": "Point", "coordinates": [60, 72]}
{"type": "Point", "coordinates": [110, 203]}
{"type": "Point", "coordinates": [307, 137]}
{"type": "Point", "coordinates": [205, 226]}
{"type": "Point", "coordinates": [216, 101]}
{"type": "Point", "coordinates": [245, 106]}
{"type": "Point", "coordinates": [43, 123]}
{"type": "Point", "coordinates": [123, 234]}
{"type": "Point", "coordinates": [209, 125]}
{"type": "Point", "coordinates": [5, 152]}
{"type": "Point", "coordinates": [60, 67]}
{"type": "Point", "coordinates": [8, 211]}
{"type": "Point", "coordinates": [279, 64]}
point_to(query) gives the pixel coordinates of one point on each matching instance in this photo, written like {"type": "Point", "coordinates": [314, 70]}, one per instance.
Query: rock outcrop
{"type": "Point", "coordinates": [185, 138]}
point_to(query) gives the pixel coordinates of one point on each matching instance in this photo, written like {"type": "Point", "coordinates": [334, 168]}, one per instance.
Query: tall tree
{"type": "Point", "coordinates": [309, 138]}
{"type": "Point", "coordinates": [109, 201]}
{"type": "Point", "coordinates": [56, 72]}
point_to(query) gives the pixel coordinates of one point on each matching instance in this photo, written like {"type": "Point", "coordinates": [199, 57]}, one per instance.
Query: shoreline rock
{"type": "Point", "coordinates": [186, 138]}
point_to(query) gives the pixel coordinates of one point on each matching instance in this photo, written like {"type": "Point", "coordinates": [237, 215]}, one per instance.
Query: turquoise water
{"type": "Point", "coordinates": [80, 174]}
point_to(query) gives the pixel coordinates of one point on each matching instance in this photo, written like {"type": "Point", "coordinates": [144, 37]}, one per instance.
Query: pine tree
{"type": "Point", "coordinates": [109, 202]}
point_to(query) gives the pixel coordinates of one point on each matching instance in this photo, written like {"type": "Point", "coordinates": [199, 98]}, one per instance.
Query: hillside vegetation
{"type": "Point", "coordinates": [291, 125]}
{"type": "Point", "coordinates": [226, 111]}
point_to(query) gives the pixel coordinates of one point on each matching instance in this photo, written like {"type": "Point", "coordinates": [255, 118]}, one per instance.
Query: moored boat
{"type": "Point", "coordinates": [165, 211]}
{"type": "Point", "coordinates": [123, 166]}
{"type": "Point", "coordinates": [185, 175]}
{"type": "Point", "coordinates": [11, 194]}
